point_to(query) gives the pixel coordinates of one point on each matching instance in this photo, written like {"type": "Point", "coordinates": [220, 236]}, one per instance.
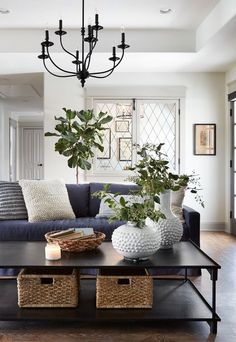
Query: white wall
{"type": "Point", "coordinates": [59, 93]}
{"type": "Point", "coordinates": [204, 103]}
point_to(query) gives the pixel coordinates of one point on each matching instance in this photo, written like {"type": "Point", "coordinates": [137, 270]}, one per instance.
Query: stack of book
{"type": "Point", "coordinates": [74, 234]}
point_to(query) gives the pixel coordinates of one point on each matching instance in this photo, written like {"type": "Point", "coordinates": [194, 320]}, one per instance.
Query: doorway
{"type": "Point", "coordinates": [32, 152]}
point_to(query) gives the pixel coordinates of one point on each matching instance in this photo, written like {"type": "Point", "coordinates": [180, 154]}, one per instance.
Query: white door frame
{"type": "Point", "coordinates": [13, 151]}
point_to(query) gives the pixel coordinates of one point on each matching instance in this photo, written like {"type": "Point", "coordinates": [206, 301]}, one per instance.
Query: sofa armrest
{"type": "Point", "coordinates": [192, 220]}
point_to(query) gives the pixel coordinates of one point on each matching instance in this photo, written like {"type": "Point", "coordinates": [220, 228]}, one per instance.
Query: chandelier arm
{"type": "Point", "coordinates": [51, 60]}
{"type": "Point", "coordinates": [88, 58]}
{"type": "Point", "coordinates": [108, 70]}
{"type": "Point", "coordinates": [103, 76]}
{"type": "Point", "coordinates": [70, 53]}
{"type": "Point", "coordinates": [89, 55]}
{"type": "Point", "coordinates": [50, 72]}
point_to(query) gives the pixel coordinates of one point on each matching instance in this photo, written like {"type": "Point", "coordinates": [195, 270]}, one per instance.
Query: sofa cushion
{"type": "Point", "coordinates": [79, 198]}
{"type": "Point", "coordinates": [46, 200]}
{"type": "Point", "coordinates": [94, 203]}
{"type": "Point", "coordinates": [12, 204]}
{"type": "Point", "coordinates": [22, 230]}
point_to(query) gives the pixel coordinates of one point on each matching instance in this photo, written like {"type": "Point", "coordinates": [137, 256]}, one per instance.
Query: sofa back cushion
{"type": "Point", "coordinates": [94, 203]}
{"type": "Point", "coordinates": [79, 198]}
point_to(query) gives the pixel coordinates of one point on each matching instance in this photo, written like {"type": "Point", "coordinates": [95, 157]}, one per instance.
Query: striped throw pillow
{"type": "Point", "coordinates": [12, 204]}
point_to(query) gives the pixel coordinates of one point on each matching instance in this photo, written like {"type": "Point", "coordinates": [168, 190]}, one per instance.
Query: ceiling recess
{"type": "Point", "coordinates": [4, 11]}
{"type": "Point", "coordinates": [165, 10]}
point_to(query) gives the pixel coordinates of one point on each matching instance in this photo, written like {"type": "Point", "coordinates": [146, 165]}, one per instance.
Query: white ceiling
{"type": "Point", "coordinates": [198, 35]}
{"type": "Point", "coordinates": [186, 14]}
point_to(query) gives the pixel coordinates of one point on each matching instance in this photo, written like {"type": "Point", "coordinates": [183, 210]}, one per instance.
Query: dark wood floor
{"type": "Point", "coordinates": [220, 246]}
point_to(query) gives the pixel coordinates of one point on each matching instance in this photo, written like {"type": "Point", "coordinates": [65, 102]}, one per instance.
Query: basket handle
{"type": "Point", "coordinates": [47, 281]}
{"type": "Point", "coordinates": [123, 281]}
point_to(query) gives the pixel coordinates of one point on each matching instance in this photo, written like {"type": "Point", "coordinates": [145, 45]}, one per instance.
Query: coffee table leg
{"type": "Point", "coordinates": [213, 324]}
{"type": "Point", "coordinates": [213, 327]}
{"type": "Point", "coordinates": [185, 274]}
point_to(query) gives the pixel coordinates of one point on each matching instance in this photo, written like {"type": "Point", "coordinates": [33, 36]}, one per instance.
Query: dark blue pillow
{"type": "Point", "coordinates": [79, 199]}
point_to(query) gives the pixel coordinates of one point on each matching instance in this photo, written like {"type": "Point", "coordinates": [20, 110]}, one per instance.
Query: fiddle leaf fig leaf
{"type": "Point", "coordinates": [105, 120]}
{"type": "Point", "coordinates": [49, 134]}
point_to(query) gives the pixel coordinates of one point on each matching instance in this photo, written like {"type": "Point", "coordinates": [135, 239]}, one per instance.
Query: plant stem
{"type": "Point", "coordinates": [77, 174]}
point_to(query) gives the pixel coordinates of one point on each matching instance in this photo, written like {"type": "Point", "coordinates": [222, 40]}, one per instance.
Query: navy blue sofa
{"type": "Point", "coordinates": [86, 207]}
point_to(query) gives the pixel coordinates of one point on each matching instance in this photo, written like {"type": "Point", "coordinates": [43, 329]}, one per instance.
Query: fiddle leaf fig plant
{"type": "Point", "coordinates": [79, 133]}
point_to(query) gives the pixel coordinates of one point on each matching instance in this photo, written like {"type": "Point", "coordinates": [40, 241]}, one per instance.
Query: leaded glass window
{"type": "Point", "coordinates": [134, 123]}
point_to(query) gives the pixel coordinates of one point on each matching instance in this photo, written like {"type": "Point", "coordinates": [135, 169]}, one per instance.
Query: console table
{"type": "Point", "coordinates": [173, 299]}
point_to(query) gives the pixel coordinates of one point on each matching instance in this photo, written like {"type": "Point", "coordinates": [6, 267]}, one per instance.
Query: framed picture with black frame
{"type": "Point", "coordinates": [204, 139]}
{"type": "Point", "coordinates": [125, 149]}
{"type": "Point", "coordinates": [106, 154]}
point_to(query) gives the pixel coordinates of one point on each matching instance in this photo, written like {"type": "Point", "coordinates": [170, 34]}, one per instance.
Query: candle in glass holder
{"type": "Point", "coordinates": [52, 251]}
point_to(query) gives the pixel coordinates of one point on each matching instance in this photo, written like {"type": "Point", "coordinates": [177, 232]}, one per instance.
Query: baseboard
{"type": "Point", "coordinates": [214, 226]}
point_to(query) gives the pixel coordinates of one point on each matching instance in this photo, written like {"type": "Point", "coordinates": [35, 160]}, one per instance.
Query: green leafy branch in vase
{"type": "Point", "coordinates": [153, 175]}
{"type": "Point", "coordinates": [136, 209]}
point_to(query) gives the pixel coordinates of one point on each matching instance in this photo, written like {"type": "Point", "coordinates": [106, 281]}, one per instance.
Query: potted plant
{"type": "Point", "coordinates": [80, 132]}
{"type": "Point", "coordinates": [134, 240]}
{"type": "Point", "coordinates": [155, 182]}
{"type": "Point", "coordinates": [155, 179]}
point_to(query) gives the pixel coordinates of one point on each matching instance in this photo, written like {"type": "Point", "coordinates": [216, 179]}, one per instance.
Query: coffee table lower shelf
{"type": "Point", "coordinates": [174, 300]}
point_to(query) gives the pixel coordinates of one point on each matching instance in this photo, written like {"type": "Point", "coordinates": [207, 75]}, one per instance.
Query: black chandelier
{"type": "Point", "coordinates": [82, 60]}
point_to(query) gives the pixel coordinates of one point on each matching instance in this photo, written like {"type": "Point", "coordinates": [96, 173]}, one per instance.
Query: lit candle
{"type": "Point", "coordinates": [52, 251]}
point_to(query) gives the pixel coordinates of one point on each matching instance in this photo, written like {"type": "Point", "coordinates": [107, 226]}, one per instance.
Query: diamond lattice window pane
{"type": "Point", "coordinates": [158, 125]}
{"type": "Point", "coordinates": [117, 154]}
{"type": "Point", "coordinates": [155, 123]}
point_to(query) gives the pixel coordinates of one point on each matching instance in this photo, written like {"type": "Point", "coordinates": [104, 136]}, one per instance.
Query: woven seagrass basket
{"type": "Point", "coordinates": [85, 244]}
{"type": "Point", "coordinates": [132, 288]}
{"type": "Point", "coordinates": [48, 288]}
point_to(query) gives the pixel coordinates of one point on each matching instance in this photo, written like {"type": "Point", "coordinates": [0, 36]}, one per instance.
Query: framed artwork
{"type": "Point", "coordinates": [122, 126]}
{"type": "Point", "coordinates": [125, 149]}
{"type": "Point", "coordinates": [106, 154]}
{"type": "Point", "coordinates": [205, 139]}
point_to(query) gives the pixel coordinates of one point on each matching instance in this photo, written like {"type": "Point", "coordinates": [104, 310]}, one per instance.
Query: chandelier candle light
{"type": "Point", "coordinates": [82, 60]}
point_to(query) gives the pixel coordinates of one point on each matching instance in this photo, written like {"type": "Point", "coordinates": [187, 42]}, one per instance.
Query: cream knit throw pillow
{"type": "Point", "coordinates": [46, 200]}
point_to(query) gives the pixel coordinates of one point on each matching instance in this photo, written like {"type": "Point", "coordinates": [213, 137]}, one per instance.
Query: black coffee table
{"type": "Point", "coordinates": [173, 299]}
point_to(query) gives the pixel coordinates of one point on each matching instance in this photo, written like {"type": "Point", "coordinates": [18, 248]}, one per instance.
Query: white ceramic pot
{"type": "Point", "coordinates": [135, 243]}
{"type": "Point", "coordinates": [170, 229]}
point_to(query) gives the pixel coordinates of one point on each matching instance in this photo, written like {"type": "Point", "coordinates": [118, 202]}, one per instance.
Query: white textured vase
{"type": "Point", "coordinates": [135, 243]}
{"type": "Point", "coordinates": [170, 229]}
